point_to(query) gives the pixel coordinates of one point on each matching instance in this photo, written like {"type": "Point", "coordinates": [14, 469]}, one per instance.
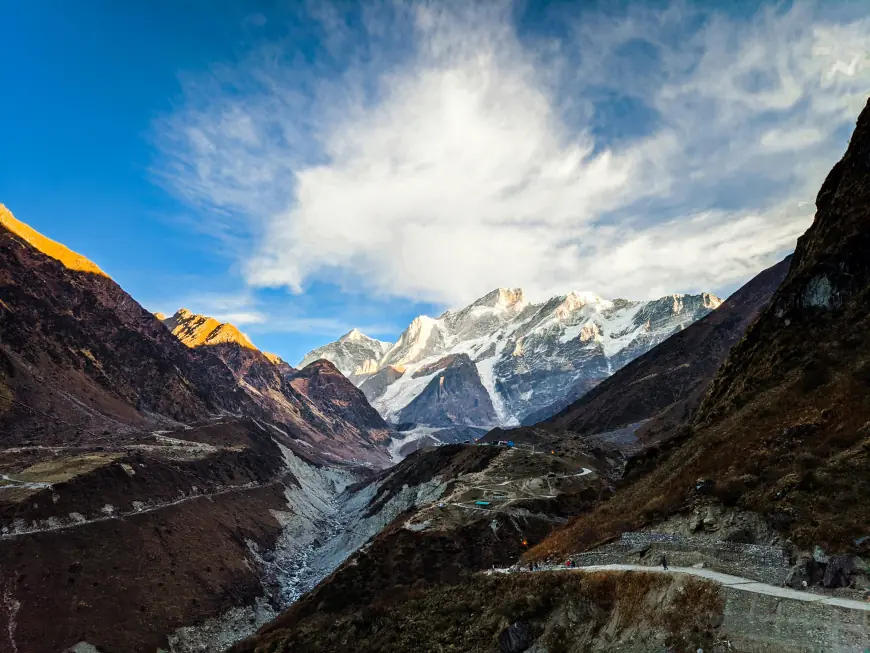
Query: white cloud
{"type": "Point", "coordinates": [443, 155]}
{"type": "Point", "coordinates": [241, 318]}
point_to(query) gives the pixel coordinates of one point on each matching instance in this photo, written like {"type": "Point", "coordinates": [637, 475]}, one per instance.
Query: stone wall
{"type": "Point", "coordinates": [758, 623]}
{"type": "Point", "coordinates": [766, 564]}
{"type": "Point", "coordinates": [758, 554]}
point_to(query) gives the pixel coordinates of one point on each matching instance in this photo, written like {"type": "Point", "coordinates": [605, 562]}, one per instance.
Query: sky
{"type": "Point", "coordinates": [302, 168]}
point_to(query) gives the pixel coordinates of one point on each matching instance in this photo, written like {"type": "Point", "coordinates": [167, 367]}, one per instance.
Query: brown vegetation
{"type": "Point", "coordinates": [785, 427]}
{"type": "Point", "coordinates": [566, 613]}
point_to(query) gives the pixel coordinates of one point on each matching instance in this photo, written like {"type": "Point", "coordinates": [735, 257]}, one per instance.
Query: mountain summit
{"type": "Point", "coordinates": [354, 354]}
{"type": "Point", "coordinates": [527, 356]}
{"type": "Point", "coordinates": [196, 330]}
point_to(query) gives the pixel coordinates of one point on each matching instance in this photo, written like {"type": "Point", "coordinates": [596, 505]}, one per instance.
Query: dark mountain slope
{"type": "Point", "coordinates": [454, 396]}
{"type": "Point", "coordinates": [317, 404]}
{"type": "Point", "coordinates": [673, 376]}
{"type": "Point", "coordinates": [75, 345]}
{"type": "Point", "coordinates": [81, 360]}
{"type": "Point", "coordinates": [785, 427]}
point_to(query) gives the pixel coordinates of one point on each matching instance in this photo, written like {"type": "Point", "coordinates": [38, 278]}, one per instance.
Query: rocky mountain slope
{"type": "Point", "coordinates": [527, 355]}
{"type": "Point", "coordinates": [81, 360]}
{"type": "Point", "coordinates": [661, 390]}
{"type": "Point", "coordinates": [317, 404]}
{"type": "Point", "coordinates": [76, 346]}
{"type": "Point", "coordinates": [783, 429]}
{"type": "Point", "coordinates": [422, 529]}
{"type": "Point", "coordinates": [454, 396]}
{"type": "Point", "coordinates": [131, 462]}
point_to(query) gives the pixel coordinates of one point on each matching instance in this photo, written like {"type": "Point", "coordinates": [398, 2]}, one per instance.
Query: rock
{"type": "Point", "coordinates": [696, 523]}
{"type": "Point", "coordinates": [516, 638]}
{"type": "Point", "coordinates": [739, 536]}
{"type": "Point", "coordinates": [838, 571]}
{"type": "Point", "coordinates": [698, 565]}
{"type": "Point", "coordinates": [803, 573]}
{"type": "Point", "coordinates": [711, 522]}
{"type": "Point", "coordinates": [819, 555]}
{"type": "Point", "coordinates": [639, 550]}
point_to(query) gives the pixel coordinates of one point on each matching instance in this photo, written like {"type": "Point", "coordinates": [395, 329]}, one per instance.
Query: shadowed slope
{"type": "Point", "coordinates": [785, 427]}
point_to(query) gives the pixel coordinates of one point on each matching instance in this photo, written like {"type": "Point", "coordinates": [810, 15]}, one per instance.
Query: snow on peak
{"type": "Point", "coordinates": [503, 298]}
{"type": "Point", "coordinates": [354, 335]}
{"type": "Point", "coordinates": [527, 355]}
{"type": "Point", "coordinates": [711, 301]}
{"type": "Point", "coordinates": [582, 297]}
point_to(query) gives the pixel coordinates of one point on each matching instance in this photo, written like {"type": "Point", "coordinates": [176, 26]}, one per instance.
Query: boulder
{"type": "Point", "coordinates": [804, 572]}
{"type": "Point", "coordinates": [739, 536]}
{"type": "Point", "coordinates": [838, 571]}
{"type": "Point", "coordinates": [516, 638]}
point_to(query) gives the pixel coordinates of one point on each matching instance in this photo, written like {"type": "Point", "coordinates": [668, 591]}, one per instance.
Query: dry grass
{"type": "Point", "coordinates": [61, 470]}
{"type": "Point", "coordinates": [567, 612]}
{"type": "Point", "coordinates": [798, 458]}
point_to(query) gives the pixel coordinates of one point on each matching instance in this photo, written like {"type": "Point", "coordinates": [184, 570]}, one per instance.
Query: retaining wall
{"type": "Point", "coordinates": [765, 564]}
{"type": "Point", "coordinates": [758, 623]}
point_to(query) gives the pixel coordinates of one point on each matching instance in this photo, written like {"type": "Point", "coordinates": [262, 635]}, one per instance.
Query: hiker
{"type": "Point", "coordinates": [664, 562]}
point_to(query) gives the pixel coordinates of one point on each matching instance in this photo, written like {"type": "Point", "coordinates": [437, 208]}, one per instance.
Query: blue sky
{"type": "Point", "coordinates": [302, 168]}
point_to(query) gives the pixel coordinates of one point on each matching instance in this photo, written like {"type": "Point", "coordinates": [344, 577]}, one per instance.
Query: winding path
{"type": "Point", "coordinates": [66, 524]}
{"type": "Point", "coordinates": [736, 582]}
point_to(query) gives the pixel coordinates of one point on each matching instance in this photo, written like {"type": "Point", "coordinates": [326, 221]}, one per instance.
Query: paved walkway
{"type": "Point", "coordinates": [742, 584]}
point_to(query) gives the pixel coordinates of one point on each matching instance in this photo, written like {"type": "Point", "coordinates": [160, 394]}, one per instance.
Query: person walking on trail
{"type": "Point", "coordinates": [664, 562]}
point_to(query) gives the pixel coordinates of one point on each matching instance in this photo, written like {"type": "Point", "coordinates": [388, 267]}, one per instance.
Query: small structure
{"type": "Point", "coordinates": [704, 485]}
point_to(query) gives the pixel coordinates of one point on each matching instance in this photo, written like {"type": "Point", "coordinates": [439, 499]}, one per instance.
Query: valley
{"type": "Point", "coordinates": [577, 474]}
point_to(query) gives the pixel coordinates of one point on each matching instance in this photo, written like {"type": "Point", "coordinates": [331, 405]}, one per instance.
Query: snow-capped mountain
{"type": "Point", "coordinates": [355, 354]}
{"type": "Point", "coordinates": [514, 357]}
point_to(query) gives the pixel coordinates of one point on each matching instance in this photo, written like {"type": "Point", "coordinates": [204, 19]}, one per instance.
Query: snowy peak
{"type": "Point", "coordinates": [526, 355]}
{"type": "Point", "coordinates": [355, 335]}
{"type": "Point", "coordinates": [354, 354]}
{"type": "Point", "coordinates": [504, 298]}
{"type": "Point", "coordinates": [424, 337]}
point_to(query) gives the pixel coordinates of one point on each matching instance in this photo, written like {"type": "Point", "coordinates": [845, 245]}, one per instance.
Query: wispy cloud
{"type": "Point", "coordinates": [434, 153]}
{"type": "Point", "coordinates": [259, 315]}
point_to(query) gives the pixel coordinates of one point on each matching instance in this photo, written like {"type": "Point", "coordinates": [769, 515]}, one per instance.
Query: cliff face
{"type": "Point", "coordinates": [784, 430]}
{"type": "Point", "coordinates": [667, 383]}
{"type": "Point", "coordinates": [454, 396]}
{"type": "Point", "coordinates": [820, 310]}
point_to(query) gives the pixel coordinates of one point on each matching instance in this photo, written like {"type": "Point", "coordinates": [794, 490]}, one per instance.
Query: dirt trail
{"type": "Point", "coordinates": [738, 583]}
{"type": "Point", "coordinates": [131, 513]}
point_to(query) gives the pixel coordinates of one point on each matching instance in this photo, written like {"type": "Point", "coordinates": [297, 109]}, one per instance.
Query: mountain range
{"type": "Point", "coordinates": [129, 439]}
{"type": "Point", "coordinates": [738, 445]}
{"type": "Point", "coordinates": [502, 358]}
{"type": "Point", "coordinates": [80, 356]}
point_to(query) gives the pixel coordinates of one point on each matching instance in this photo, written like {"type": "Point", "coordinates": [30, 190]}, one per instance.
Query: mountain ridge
{"type": "Point", "coordinates": [77, 348]}
{"type": "Point", "coordinates": [527, 355]}
{"type": "Point", "coordinates": [782, 430]}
